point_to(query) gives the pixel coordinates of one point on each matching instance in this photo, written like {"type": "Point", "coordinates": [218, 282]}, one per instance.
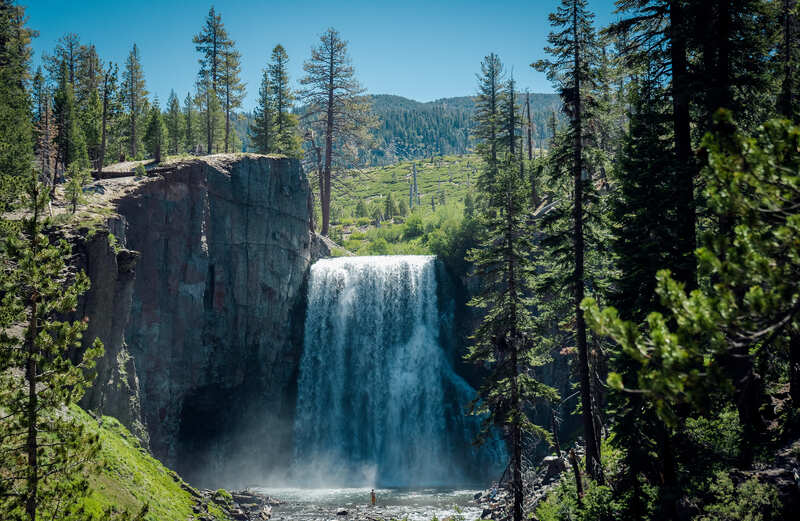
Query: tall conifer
{"type": "Point", "coordinates": [262, 130]}
{"type": "Point", "coordinates": [572, 48]}
{"type": "Point", "coordinates": [488, 118]}
{"type": "Point", "coordinates": [174, 122]}
{"type": "Point", "coordinates": [134, 96]}
{"type": "Point", "coordinates": [287, 141]}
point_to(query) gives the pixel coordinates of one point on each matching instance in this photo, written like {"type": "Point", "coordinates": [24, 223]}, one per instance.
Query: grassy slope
{"type": "Point", "coordinates": [451, 176]}
{"type": "Point", "coordinates": [128, 477]}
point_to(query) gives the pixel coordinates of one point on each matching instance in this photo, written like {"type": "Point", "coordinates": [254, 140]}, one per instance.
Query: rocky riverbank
{"type": "Point", "coordinates": [241, 505]}
{"type": "Point", "coordinates": [497, 502]}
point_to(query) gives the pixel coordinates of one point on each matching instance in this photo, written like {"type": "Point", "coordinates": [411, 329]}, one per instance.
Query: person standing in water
{"type": "Point", "coordinates": [372, 497]}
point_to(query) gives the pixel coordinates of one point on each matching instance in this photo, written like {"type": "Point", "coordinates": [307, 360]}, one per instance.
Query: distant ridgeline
{"type": "Point", "coordinates": [412, 130]}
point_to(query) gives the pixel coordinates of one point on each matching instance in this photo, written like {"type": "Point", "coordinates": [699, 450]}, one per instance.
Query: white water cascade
{"type": "Point", "coordinates": [378, 400]}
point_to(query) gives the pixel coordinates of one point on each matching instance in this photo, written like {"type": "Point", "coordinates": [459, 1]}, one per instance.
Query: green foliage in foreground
{"type": "Point", "coordinates": [128, 477]}
{"type": "Point", "coordinates": [43, 454]}
{"type": "Point", "coordinates": [703, 367]}
{"type": "Point", "coordinates": [751, 308]}
{"type": "Point", "coordinates": [716, 498]}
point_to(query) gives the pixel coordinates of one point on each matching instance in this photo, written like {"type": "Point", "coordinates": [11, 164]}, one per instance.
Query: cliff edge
{"type": "Point", "coordinates": [197, 292]}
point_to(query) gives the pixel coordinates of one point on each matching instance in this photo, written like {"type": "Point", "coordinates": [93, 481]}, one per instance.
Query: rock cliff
{"type": "Point", "coordinates": [214, 314]}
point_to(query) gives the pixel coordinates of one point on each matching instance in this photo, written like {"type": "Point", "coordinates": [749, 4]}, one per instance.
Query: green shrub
{"type": "Point", "coordinates": [222, 496]}
{"type": "Point", "coordinates": [414, 226]}
{"type": "Point", "coordinates": [750, 501]}
{"type": "Point", "coordinates": [352, 244]}
{"type": "Point", "coordinates": [378, 247]}
{"type": "Point", "coordinates": [717, 437]}
{"type": "Point", "coordinates": [361, 209]}
{"type": "Point", "coordinates": [335, 234]}
{"type": "Point", "coordinates": [387, 232]}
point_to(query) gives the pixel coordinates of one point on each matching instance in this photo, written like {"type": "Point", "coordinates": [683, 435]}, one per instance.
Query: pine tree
{"type": "Point", "coordinates": [91, 124]}
{"type": "Point", "coordinates": [262, 128]}
{"type": "Point", "coordinates": [680, 358]}
{"type": "Point", "coordinates": [402, 207]}
{"type": "Point", "coordinates": [88, 75]}
{"type": "Point", "coordinates": [110, 108]}
{"type": "Point", "coordinates": [190, 123]}
{"type": "Point", "coordinates": [337, 108]}
{"type": "Point", "coordinates": [174, 124]}
{"type": "Point", "coordinates": [232, 88]}
{"type": "Point", "coordinates": [389, 207]}
{"type": "Point", "coordinates": [16, 133]}
{"type": "Point", "coordinates": [645, 240]}
{"type": "Point", "coordinates": [134, 98]}
{"type": "Point", "coordinates": [67, 50]}
{"type": "Point", "coordinates": [658, 32]}
{"type": "Point", "coordinates": [155, 137]}
{"type": "Point", "coordinates": [361, 209]}
{"type": "Point", "coordinates": [212, 43]}
{"type": "Point", "coordinates": [77, 178]}
{"type": "Point", "coordinates": [212, 117]}
{"type": "Point", "coordinates": [286, 140]}
{"type": "Point", "coordinates": [44, 128]}
{"type": "Point", "coordinates": [572, 47]}
{"type": "Point", "coordinates": [70, 141]}
{"type": "Point", "coordinates": [488, 119]}
{"type": "Point", "coordinates": [506, 339]}
{"type": "Point", "coordinates": [43, 451]}
{"type": "Point", "coordinates": [508, 138]}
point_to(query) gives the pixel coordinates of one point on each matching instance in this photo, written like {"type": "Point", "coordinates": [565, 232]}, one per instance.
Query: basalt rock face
{"type": "Point", "coordinates": [216, 311]}
{"type": "Point", "coordinates": [106, 307]}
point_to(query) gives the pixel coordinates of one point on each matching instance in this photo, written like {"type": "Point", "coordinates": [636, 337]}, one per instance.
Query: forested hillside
{"type": "Point", "coordinates": [411, 129]}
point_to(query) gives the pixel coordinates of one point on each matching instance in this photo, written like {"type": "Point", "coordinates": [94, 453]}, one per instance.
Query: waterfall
{"type": "Point", "coordinates": [378, 400]}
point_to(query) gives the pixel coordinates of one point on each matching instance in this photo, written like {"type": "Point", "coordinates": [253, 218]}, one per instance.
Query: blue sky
{"type": "Point", "coordinates": [422, 50]}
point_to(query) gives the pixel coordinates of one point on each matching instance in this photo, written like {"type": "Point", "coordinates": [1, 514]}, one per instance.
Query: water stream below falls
{"type": "Point", "coordinates": [407, 504]}
{"type": "Point", "coordinates": [378, 400]}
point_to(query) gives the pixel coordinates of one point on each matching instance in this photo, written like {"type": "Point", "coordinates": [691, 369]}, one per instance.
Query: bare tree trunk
{"type": "Point", "coordinates": [103, 137]}
{"type": "Point", "coordinates": [554, 428]}
{"type": "Point", "coordinates": [47, 166]}
{"type": "Point", "coordinates": [592, 445]}
{"type": "Point", "coordinates": [318, 153]}
{"type": "Point", "coordinates": [794, 368]}
{"type": "Point", "coordinates": [209, 129]}
{"type": "Point", "coordinates": [530, 125]}
{"type": "Point", "coordinates": [724, 59]}
{"type": "Point", "coordinates": [326, 200]}
{"type": "Point", "coordinates": [786, 103]}
{"type": "Point", "coordinates": [132, 147]}
{"type": "Point", "coordinates": [576, 469]}
{"type": "Point", "coordinates": [686, 271]}
{"type": "Point", "coordinates": [227, 116]}
{"type": "Point", "coordinates": [32, 442]}
{"type": "Point", "coordinates": [516, 405]}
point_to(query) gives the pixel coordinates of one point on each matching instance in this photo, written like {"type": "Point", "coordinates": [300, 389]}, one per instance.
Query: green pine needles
{"type": "Point", "coordinates": [43, 451]}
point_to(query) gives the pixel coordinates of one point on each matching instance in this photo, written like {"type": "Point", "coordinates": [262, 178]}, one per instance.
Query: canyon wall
{"type": "Point", "coordinates": [213, 311]}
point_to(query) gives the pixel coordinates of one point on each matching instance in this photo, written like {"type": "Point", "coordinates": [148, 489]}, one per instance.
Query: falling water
{"type": "Point", "coordinates": [378, 399]}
